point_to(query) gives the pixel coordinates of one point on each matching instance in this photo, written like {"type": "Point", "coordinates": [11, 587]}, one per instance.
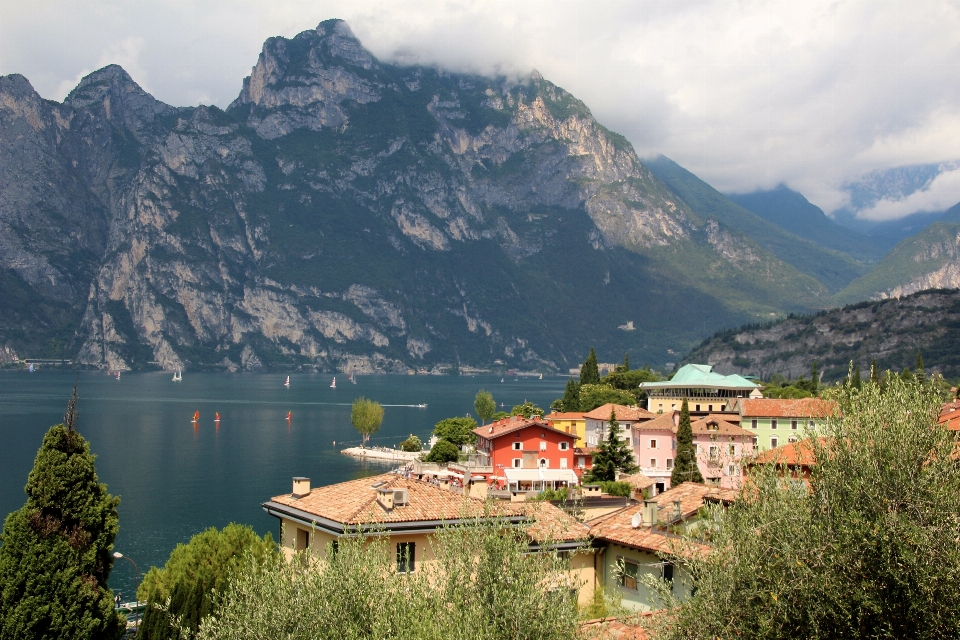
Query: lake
{"type": "Point", "coordinates": [176, 479]}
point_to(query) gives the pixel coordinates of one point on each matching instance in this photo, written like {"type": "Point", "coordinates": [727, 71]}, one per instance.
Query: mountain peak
{"type": "Point", "coordinates": [114, 93]}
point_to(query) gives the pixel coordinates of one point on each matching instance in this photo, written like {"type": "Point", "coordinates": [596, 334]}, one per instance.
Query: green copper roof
{"type": "Point", "coordinates": [701, 375]}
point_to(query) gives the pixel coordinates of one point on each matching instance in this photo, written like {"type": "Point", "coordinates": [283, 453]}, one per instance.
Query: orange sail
{"type": "Point", "coordinates": [196, 416]}
{"type": "Point", "coordinates": [217, 414]}
{"type": "Point", "coordinates": [289, 414]}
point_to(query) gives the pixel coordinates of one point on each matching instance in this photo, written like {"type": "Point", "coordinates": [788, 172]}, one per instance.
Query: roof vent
{"type": "Point", "coordinates": [676, 509]}
{"type": "Point", "coordinates": [650, 508]}
{"type": "Point", "coordinates": [301, 487]}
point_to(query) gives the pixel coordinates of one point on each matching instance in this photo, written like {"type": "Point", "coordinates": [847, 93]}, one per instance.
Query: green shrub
{"type": "Point", "coordinates": [411, 444]}
{"type": "Point", "coordinates": [443, 452]}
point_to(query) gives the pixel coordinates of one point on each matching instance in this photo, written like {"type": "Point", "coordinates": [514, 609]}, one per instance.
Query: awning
{"type": "Point", "coordinates": [541, 475]}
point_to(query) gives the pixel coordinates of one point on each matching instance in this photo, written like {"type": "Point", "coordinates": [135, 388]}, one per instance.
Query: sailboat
{"type": "Point", "coordinates": [287, 383]}
{"type": "Point", "coordinates": [216, 417]}
{"type": "Point", "coordinates": [352, 381]}
{"type": "Point", "coordinates": [31, 367]}
{"type": "Point", "coordinates": [196, 416]}
{"type": "Point", "coordinates": [118, 375]}
{"type": "Point", "coordinates": [178, 376]}
{"type": "Point", "coordinates": [333, 385]}
{"type": "Point", "coordinates": [289, 415]}
{"type": "Point", "coordinates": [541, 376]}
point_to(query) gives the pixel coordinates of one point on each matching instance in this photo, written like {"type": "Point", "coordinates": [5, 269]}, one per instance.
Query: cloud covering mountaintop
{"type": "Point", "coordinates": [747, 95]}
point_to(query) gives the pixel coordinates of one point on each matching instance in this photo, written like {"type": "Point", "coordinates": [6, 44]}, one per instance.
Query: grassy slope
{"type": "Point", "coordinates": [832, 268]}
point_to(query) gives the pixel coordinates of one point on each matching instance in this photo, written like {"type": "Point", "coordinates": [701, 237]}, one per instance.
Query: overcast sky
{"type": "Point", "coordinates": [746, 94]}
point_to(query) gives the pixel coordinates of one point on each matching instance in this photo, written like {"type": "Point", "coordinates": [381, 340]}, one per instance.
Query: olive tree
{"type": "Point", "coordinates": [485, 405]}
{"type": "Point", "coordinates": [366, 417]}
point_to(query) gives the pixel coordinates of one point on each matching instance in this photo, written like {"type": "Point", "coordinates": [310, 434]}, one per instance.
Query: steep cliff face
{"type": "Point", "coordinates": [346, 213]}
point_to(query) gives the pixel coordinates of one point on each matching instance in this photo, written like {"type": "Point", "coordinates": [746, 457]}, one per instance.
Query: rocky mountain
{"type": "Point", "coordinates": [344, 213]}
{"type": "Point", "coordinates": [891, 330]}
{"type": "Point", "coordinates": [928, 260]}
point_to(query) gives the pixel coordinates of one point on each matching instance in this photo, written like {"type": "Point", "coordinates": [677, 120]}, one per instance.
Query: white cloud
{"type": "Point", "coordinates": [938, 195]}
{"type": "Point", "coordinates": [745, 94]}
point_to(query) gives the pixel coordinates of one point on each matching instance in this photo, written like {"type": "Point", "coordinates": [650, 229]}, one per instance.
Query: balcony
{"type": "Point", "coordinates": [475, 463]}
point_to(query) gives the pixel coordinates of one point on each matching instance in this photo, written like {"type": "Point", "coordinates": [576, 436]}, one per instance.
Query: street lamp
{"type": "Point", "coordinates": [136, 606]}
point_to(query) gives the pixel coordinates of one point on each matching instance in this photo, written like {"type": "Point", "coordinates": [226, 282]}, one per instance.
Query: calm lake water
{"type": "Point", "coordinates": [175, 480]}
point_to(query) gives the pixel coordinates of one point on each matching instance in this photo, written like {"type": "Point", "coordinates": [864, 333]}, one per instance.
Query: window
{"type": "Point", "coordinates": [563, 463]}
{"type": "Point", "coordinates": [773, 423]}
{"type": "Point", "coordinates": [756, 440]}
{"type": "Point", "coordinates": [811, 424]}
{"type": "Point", "coordinates": [653, 463]}
{"type": "Point", "coordinates": [406, 557]}
{"type": "Point", "coordinates": [669, 463]}
{"type": "Point", "coordinates": [653, 444]}
{"type": "Point", "coordinates": [714, 451]}
{"type": "Point", "coordinates": [334, 547]}
{"type": "Point", "coordinates": [543, 445]}
{"type": "Point", "coordinates": [732, 449]}
{"type": "Point", "coordinates": [517, 462]}
{"type": "Point", "coordinates": [628, 577]}
{"type": "Point", "coordinates": [773, 443]}
{"type": "Point", "coordinates": [661, 407]}
{"type": "Point", "coordinates": [792, 439]}
{"type": "Point", "coordinates": [709, 407]}
{"type": "Point", "coordinates": [753, 424]}
{"type": "Point", "coordinates": [732, 470]}
{"type": "Point", "coordinates": [673, 406]}
{"type": "Point", "coordinates": [564, 446]}
{"type": "Point", "coordinates": [544, 463]}
{"type": "Point", "coordinates": [667, 572]}
{"type": "Point", "coordinates": [517, 445]}
{"type": "Point", "coordinates": [303, 539]}
{"type": "Point", "coordinates": [698, 408]}
{"type": "Point", "coordinates": [793, 425]}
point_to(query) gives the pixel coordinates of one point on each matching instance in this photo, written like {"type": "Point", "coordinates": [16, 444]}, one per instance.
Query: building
{"type": "Point", "coordinates": [642, 486]}
{"type": "Point", "coordinates": [775, 422]}
{"type": "Point", "coordinates": [655, 447]}
{"type": "Point", "coordinates": [706, 391]}
{"type": "Point", "coordinates": [410, 512]}
{"type": "Point", "coordinates": [721, 446]}
{"type": "Point", "coordinates": [636, 535]}
{"type": "Point", "coordinates": [949, 417]}
{"type": "Point", "coordinates": [794, 460]}
{"type": "Point", "coordinates": [571, 422]}
{"type": "Point", "coordinates": [526, 454]}
{"type": "Point", "coordinates": [598, 420]}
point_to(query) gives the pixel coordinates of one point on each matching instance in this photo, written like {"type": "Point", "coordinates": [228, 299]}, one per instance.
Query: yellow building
{"type": "Point", "coordinates": [572, 422]}
{"type": "Point", "coordinates": [411, 511]}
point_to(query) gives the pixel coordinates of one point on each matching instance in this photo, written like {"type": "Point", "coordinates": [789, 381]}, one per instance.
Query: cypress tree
{"type": "Point", "coordinates": [613, 455]}
{"type": "Point", "coordinates": [855, 379]}
{"type": "Point", "coordinates": [571, 397]}
{"type": "Point", "coordinates": [814, 378]}
{"type": "Point", "coordinates": [685, 467]}
{"type": "Point", "coordinates": [626, 361]}
{"type": "Point", "coordinates": [589, 374]}
{"type": "Point", "coordinates": [55, 556]}
{"type": "Point", "coordinates": [874, 372]}
{"type": "Point", "coordinates": [921, 374]}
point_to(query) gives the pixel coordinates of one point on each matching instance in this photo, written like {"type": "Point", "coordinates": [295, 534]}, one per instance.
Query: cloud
{"type": "Point", "coordinates": [938, 195]}
{"type": "Point", "coordinates": [745, 94]}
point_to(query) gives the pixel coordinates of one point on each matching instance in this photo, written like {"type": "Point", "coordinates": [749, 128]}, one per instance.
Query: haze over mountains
{"type": "Point", "coordinates": [349, 214]}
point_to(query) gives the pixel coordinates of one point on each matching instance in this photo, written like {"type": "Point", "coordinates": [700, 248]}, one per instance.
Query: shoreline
{"type": "Point", "coordinates": [379, 453]}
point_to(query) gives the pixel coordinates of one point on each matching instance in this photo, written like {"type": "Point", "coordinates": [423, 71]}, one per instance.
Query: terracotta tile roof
{"type": "Point", "coordinates": [787, 408]}
{"type": "Point", "coordinates": [355, 503]}
{"type": "Point", "coordinates": [733, 418]}
{"type": "Point", "coordinates": [618, 527]}
{"type": "Point", "coordinates": [613, 629]}
{"type": "Point", "coordinates": [565, 415]}
{"type": "Point", "coordinates": [623, 413]}
{"type": "Point", "coordinates": [692, 496]}
{"type": "Point", "coordinates": [666, 421]}
{"type": "Point", "coordinates": [950, 415]}
{"type": "Point", "coordinates": [515, 423]}
{"type": "Point", "coordinates": [638, 481]}
{"type": "Point", "coordinates": [794, 454]}
{"type": "Point", "coordinates": [723, 428]}
{"type": "Point", "coordinates": [585, 451]}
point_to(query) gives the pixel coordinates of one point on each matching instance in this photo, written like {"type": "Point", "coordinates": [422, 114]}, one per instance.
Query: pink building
{"type": "Point", "coordinates": [655, 446]}
{"type": "Point", "coordinates": [721, 446]}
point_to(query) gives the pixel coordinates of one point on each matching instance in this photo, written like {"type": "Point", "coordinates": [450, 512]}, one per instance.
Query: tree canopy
{"type": "Point", "coordinates": [411, 444]}
{"type": "Point", "coordinates": [685, 468]}
{"type": "Point", "coordinates": [191, 575]}
{"type": "Point", "coordinates": [442, 452]}
{"type": "Point", "coordinates": [867, 547]}
{"type": "Point", "coordinates": [485, 405]}
{"type": "Point", "coordinates": [571, 398]}
{"type": "Point", "coordinates": [55, 555]}
{"type": "Point", "coordinates": [597, 395]}
{"type": "Point", "coordinates": [458, 431]}
{"type": "Point", "coordinates": [527, 410]}
{"type": "Point", "coordinates": [366, 417]}
{"type": "Point", "coordinates": [612, 455]}
{"type": "Point", "coordinates": [589, 373]}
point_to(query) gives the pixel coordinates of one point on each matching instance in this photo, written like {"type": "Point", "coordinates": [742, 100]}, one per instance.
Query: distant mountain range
{"type": "Point", "coordinates": [345, 213]}
{"type": "Point", "coordinates": [890, 331]}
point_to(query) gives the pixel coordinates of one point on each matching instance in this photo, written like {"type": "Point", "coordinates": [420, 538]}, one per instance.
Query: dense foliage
{"type": "Point", "coordinates": [411, 444]}
{"type": "Point", "coordinates": [366, 416]}
{"type": "Point", "coordinates": [485, 405]}
{"type": "Point", "coordinates": [527, 410]}
{"type": "Point", "coordinates": [685, 468]}
{"type": "Point", "coordinates": [621, 386]}
{"type": "Point", "coordinates": [613, 455]}
{"type": "Point", "coordinates": [55, 556]}
{"type": "Point", "coordinates": [443, 452]}
{"type": "Point", "coordinates": [184, 587]}
{"type": "Point", "coordinates": [597, 395]}
{"type": "Point", "coordinates": [589, 374]}
{"type": "Point", "coordinates": [571, 398]}
{"type": "Point", "coordinates": [614, 488]}
{"type": "Point", "coordinates": [458, 431]}
{"type": "Point", "coordinates": [483, 585]}
{"type": "Point", "coordinates": [869, 547]}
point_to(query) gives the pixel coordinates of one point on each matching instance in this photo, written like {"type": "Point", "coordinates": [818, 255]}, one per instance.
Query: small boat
{"type": "Point", "coordinates": [289, 415]}
{"type": "Point", "coordinates": [196, 416]}
{"type": "Point", "coordinates": [421, 406]}
{"type": "Point", "coordinates": [352, 381]}
{"type": "Point", "coordinates": [333, 385]}
{"type": "Point", "coordinates": [287, 383]}
{"type": "Point", "coordinates": [541, 376]}
{"type": "Point", "coordinates": [216, 417]}
{"type": "Point", "coordinates": [501, 379]}
{"type": "Point", "coordinates": [178, 376]}
{"type": "Point", "coordinates": [118, 375]}
{"type": "Point", "coordinates": [31, 367]}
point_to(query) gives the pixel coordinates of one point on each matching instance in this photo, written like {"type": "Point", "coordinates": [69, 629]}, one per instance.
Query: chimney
{"type": "Point", "coordinates": [649, 513]}
{"type": "Point", "coordinates": [385, 496]}
{"type": "Point", "coordinates": [676, 509]}
{"type": "Point", "coordinates": [301, 487]}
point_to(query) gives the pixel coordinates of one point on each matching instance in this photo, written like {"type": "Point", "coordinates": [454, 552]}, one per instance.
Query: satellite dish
{"type": "Point", "coordinates": [636, 520]}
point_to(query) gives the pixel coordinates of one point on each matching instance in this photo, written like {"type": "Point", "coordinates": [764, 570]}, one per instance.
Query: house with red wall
{"type": "Point", "coordinates": [527, 454]}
